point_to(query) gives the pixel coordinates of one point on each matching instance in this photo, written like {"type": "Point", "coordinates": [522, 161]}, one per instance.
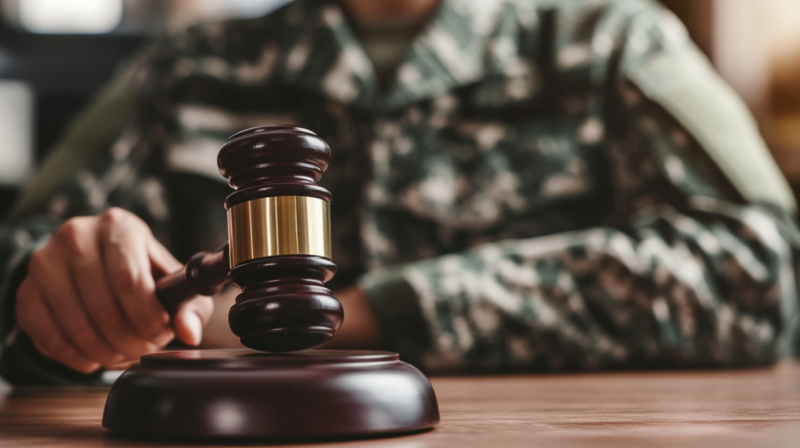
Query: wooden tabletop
{"type": "Point", "coordinates": [744, 408]}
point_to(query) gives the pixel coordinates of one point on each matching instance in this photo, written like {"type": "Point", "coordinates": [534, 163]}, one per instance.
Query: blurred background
{"type": "Point", "coordinates": [54, 54]}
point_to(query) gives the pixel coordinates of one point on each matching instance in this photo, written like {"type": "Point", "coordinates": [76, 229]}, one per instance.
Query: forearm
{"type": "Point", "coordinates": [703, 290]}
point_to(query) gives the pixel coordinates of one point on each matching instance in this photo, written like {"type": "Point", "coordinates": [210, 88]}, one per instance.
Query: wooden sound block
{"type": "Point", "coordinates": [249, 394]}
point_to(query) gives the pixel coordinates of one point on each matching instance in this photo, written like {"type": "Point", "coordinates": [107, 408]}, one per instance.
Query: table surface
{"type": "Point", "coordinates": [734, 408]}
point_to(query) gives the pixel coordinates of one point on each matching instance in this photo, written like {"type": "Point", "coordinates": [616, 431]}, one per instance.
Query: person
{"type": "Point", "coordinates": [518, 186]}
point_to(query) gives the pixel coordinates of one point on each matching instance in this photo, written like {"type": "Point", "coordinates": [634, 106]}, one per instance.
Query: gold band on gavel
{"type": "Point", "coordinates": [283, 225]}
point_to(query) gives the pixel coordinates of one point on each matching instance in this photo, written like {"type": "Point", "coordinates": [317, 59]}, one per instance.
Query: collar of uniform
{"type": "Point", "coordinates": [320, 53]}
{"type": "Point", "coordinates": [447, 54]}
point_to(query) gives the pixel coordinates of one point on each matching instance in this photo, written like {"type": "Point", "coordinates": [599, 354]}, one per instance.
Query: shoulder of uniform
{"type": "Point", "coordinates": [234, 36]}
{"type": "Point", "coordinates": [576, 20]}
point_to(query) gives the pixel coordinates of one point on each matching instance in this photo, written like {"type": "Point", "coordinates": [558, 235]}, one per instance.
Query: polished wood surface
{"type": "Point", "coordinates": [244, 393]}
{"type": "Point", "coordinates": [742, 408]}
{"type": "Point", "coordinates": [284, 305]}
{"type": "Point", "coordinates": [281, 266]}
{"type": "Point", "coordinates": [205, 274]}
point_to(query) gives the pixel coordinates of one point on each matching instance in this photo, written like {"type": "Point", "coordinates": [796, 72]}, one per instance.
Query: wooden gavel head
{"type": "Point", "coordinates": [279, 237]}
{"type": "Point", "coordinates": [279, 248]}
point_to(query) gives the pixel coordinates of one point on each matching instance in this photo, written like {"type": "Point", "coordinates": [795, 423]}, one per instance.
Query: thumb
{"type": "Point", "coordinates": [191, 317]}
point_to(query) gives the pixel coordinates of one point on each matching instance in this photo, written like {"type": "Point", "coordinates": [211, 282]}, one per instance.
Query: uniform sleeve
{"type": "Point", "coordinates": [694, 267]}
{"type": "Point", "coordinates": [105, 159]}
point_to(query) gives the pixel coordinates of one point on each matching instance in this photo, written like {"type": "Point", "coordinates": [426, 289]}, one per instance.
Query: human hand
{"type": "Point", "coordinates": [360, 327]}
{"type": "Point", "coordinates": [89, 298]}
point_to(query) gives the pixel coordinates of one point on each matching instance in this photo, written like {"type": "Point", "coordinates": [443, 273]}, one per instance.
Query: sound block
{"type": "Point", "coordinates": [249, 394]}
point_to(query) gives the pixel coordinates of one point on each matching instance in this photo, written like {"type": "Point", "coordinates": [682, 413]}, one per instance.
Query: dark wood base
{"type": "Point", "coordinates": [250, 394]}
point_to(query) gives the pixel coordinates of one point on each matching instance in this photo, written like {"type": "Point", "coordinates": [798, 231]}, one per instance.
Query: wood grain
{"type": "Point", "coordinates": [744, 408]}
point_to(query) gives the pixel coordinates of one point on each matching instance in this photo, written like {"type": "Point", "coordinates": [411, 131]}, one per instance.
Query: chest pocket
{"type": "Point", "coordinates": [473, 175]}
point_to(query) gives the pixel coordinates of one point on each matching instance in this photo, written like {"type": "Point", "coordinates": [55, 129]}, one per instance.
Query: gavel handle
{"type": "Point", "coordinates": [205, 274]}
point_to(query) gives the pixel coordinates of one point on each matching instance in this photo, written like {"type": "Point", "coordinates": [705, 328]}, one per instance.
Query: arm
{"type": "Point", "coordinates": [687, 272]}
{"type": "Point", "coordinates": [78, 274]}
{"type": "Point", "coordinates": [678, 289]}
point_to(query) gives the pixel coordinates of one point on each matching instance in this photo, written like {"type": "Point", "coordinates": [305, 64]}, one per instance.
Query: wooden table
{"type": "Point", "coordinates": [758, 408]}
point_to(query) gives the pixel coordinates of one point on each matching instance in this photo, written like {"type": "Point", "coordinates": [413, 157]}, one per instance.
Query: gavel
{"type": "Point", "coordinates": [279, 245]}
{"type": "Point", "coordinates": [279, 253]}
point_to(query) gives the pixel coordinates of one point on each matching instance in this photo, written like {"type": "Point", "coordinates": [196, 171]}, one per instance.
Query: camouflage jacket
{"type": "Point", "coordinates": [545, 185]}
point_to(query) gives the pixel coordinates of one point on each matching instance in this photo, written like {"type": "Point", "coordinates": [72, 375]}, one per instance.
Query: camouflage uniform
{"type": "Point", "coordinates": [547, 185]}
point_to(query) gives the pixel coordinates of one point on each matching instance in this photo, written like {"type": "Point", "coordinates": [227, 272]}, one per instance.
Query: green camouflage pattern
{"type": "Point", "coordinates": [530, 193]}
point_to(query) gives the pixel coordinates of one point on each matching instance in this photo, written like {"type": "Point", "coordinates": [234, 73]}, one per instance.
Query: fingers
{"type": "Point", "coordinates": [89, 298]}
{"type": "Point", "coordinates": [36, 319]}
{"type": "Point", "coordinates": [59, 294]}
{"type": "Point", "coordinates": [102, 305]}
{"type": "Point", "coordinates": [194, 314]}
{"type": "Point", "coordinates": [191, 317]}
{"type": "Point", "coordinates": [125, 243]}
{"type": "Point", "coordinates": [162, 262]}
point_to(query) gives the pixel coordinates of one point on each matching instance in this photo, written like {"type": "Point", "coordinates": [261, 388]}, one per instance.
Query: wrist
{"type": "Point", "coordinates": [398, 312]}
{"type": "Point", "coordinates": [359, 329]}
